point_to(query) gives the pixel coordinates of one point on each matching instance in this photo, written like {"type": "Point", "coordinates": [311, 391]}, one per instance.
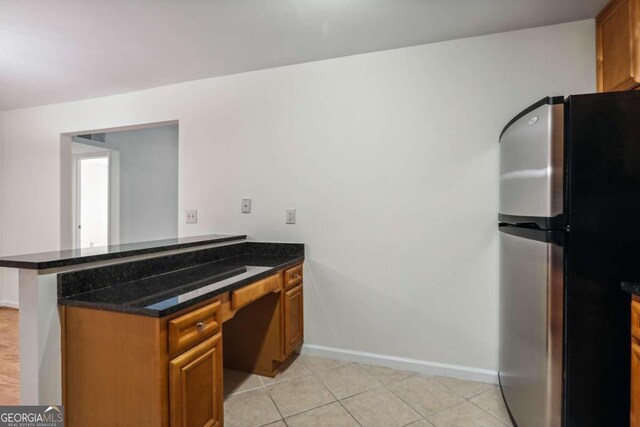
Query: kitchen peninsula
{"type": "Point", "coordinates": [169, 284]}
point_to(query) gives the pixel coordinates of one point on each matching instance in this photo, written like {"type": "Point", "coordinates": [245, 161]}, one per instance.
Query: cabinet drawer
{"type": "Point", "coordinates": [635, 317]}
{"type": "Point", "coordinates": [254, 291]}
{"type": "Point", "coordinates": [190, 329]}
{"type": "Point", "coordinates": [292, 276]}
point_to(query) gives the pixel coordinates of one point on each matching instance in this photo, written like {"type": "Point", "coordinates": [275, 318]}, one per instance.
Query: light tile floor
{"type": "Point", "coordinates": [314, 391]}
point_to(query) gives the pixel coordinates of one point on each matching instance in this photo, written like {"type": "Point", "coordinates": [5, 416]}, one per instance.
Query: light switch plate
{"type": "Point", "coordinates": [291, 216]}
{"type": "Point", "coordinates": [246, 205]}
{"type": "Point", "coordinates": [191, 216]}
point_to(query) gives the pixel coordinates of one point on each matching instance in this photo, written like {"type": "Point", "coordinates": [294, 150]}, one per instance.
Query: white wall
{"type": "Point", "coordinates": [8, 278]}
{"type": "Point", "coordinates": [3, 288]}
{"type": "Point", "coordinates": [390, 158]}
{"type": "Point", "coordinates": [148, 181]}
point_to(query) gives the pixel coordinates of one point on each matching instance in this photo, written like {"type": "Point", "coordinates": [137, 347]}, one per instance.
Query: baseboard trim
{"type": "Point", "coordinates": [10, 304]}
{"type": "Point", "coordinates": [402, 363]}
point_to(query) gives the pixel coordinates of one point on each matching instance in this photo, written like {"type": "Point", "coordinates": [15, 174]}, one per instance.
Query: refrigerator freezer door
{"type": "Point", "coordinates": [531, 326]}
{"type": "Point", "coordinates": [531, 164]}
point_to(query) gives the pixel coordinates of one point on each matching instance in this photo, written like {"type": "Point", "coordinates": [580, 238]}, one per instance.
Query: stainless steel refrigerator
{"type": "Point", "coordinates": [569, 222]}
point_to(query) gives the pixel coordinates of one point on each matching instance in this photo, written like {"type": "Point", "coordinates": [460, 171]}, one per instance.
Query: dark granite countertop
{"type": "Point", "coordinates": [631, 287]}
{"type": "Point", "coordinates": [56, 259]}
{"type": "Point", "coordinates": [161, 286]}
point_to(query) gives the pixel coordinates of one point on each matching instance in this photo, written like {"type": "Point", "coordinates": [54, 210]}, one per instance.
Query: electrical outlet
{"type": "Point", "coordinates": [291, 216]}
{"type": "Point", "coordinates": [246, 205]}
{"type": "Point", "coordinates": [192, 216]}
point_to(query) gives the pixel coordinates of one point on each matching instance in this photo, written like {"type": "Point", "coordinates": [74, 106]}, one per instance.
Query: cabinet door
{"type": "Point", "coordinates": [617, 46]}
{"type": "Point", "coordinates": [293, 319]}
{"type": "Point", "coordinates": [195, 385]}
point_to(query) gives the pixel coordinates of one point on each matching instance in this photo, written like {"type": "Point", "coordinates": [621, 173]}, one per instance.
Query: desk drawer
{"type": "Point", "coordinates": [254, 291]}
{"type": "Point", "coordinates": [194, 327]}
{"type": "Point", "coordinates": [292, 277]}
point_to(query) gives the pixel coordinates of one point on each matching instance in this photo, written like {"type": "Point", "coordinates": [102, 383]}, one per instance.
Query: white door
{"type": "Point", "coordinates": [92, 201]}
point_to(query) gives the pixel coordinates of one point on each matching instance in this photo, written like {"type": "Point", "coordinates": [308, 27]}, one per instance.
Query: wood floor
{"type": "Point", "coordinates": [9, 364]}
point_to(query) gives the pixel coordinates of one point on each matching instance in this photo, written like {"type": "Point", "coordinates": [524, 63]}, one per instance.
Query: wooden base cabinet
{"type": "Point", "coordinates": [293, 319]}
{"type": "Point", "coordinates": [130, 370]}
{"type": "Point", "coordinates": [635, 362]}
{"type": "Point", "coordinates": [635, 383]}
{"type": "Point", "coordinates": [618, 47]}
{"type": "Point", "coordinates": [195, 386]}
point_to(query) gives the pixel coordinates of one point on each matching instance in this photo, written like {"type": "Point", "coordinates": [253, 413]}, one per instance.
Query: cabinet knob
{"type": "Point", "coordinates": [297, 276]}
{"type": "Point", "coordinates": [200, 325]}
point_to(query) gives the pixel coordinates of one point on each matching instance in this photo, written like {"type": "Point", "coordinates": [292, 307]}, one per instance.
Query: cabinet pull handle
{"type": "Point", "coordinates": [297, 276]}
{"type": "Point", "coordinates": [200, 325]}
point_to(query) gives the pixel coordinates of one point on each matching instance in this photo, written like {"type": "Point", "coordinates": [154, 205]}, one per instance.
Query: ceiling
{"type": "Point", "coordinates": [63, 50]}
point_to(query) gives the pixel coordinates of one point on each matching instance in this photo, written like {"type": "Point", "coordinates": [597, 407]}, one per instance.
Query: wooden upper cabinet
{"type": "Point", "coordinates": [618, 55]}
{"type": "Point", "coordinates": [195, 386]}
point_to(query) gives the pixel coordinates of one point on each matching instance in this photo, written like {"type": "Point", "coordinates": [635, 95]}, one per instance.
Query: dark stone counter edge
{"type": "Point", "coordinates": [44, 265]}
{"type": "Point", "coordinates": [631, 287]}
{"type": "Point", "coordinates": [121, 308]}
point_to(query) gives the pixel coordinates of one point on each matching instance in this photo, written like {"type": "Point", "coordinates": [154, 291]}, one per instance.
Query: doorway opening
{"type": "Point", "coordinates": [123, 186]}
{"type": "Point", "coordinates": [93, 199]}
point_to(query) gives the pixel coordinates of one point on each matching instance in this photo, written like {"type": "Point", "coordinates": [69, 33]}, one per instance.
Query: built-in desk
{"type": "Point", "coordinates": [144, 343]}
